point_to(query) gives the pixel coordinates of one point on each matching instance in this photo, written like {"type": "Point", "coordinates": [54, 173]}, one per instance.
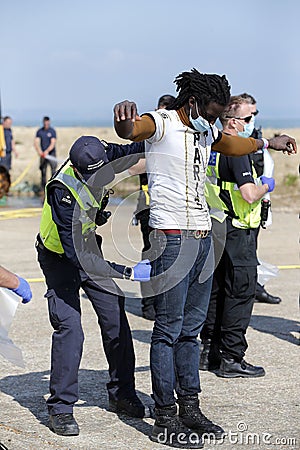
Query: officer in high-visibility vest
{"type": "Point", "coordinates": [261, 294]}
{"type": "Point", "coordinates": [233, 193]}
{"type": "Point", "coordinates": [69, 253]}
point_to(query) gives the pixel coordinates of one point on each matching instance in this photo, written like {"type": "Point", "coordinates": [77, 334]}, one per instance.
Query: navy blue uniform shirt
{"type": "Point", "coordinates": [45, 137]}
{"type": "Point", "coordinates": [236, 169]}
{"type": "Point", "coordinates": [66, 213]}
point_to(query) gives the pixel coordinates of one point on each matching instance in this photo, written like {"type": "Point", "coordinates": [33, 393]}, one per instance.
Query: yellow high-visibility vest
{"type": "Point", "coordinates": [83, 196]}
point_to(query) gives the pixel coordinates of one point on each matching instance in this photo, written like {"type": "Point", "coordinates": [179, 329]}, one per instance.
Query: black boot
{"type": "Point", "coordinates": [230, 368]}
{"type": "Point", "coordinates": [132, 406]}
{"type": "Point", "coordinates": [169, 430]}
{"type": "Point", "coordinates": [210, 357]}
{"type": "Point", "coordinates": [64, 425]}
{"type": "Point", "coordinates": [192, 416]}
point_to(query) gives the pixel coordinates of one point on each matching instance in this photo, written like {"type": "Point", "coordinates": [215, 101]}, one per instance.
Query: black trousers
{"type": "Point", "coordinates": [259, 287]}
{"type": "Point", "coordinates": [233, 292]}
{"type": "Point", "coordinates": [146, 287]}
{"type": "Point", "coordinates": [63, 282]}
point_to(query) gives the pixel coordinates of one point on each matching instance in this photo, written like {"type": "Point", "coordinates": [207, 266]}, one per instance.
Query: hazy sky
{"type": "Point", "coordinates": [76, 59]}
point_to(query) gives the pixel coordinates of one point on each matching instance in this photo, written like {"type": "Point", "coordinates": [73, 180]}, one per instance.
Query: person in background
{"type": "Point", "coordinates": [142, 215]}
{"type": "Point", "coordinates": [70, 256]}
{"type": "Point", "coordinates": [233, 193]}
{"type": "Point", "coordinates": [178, 148]}
{"type": "Point", "coordinates": [9, 143]}
{"type": "Point", "coordinates": [44, 144]}
{"type": "Point", "coordinates": [261, 295]}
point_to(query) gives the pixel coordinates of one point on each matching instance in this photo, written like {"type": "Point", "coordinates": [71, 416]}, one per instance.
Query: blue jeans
{"type": "Point", "coordinates": [183, 278]}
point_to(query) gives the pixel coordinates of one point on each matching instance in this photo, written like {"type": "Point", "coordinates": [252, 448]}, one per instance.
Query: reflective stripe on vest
{"type": "Point", "coordinates": [246, 215]}
{"type": "Point", "coordinates": [212, 189]}
{"type": "Point", "coordinates": [146, 193]}
{"type": "Point", "coordinates": [85, 200]}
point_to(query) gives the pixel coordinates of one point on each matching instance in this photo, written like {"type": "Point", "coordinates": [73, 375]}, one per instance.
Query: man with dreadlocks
{"type": "Point", "coordinates": [178, 145]}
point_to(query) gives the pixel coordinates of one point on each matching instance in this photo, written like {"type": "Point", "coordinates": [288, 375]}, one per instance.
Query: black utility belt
{"type": "Point", "coordinates": [39, 244]}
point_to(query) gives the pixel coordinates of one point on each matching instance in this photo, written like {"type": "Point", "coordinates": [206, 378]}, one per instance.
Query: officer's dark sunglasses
{"type": "Point", "coordinates": [245, 119]}
{"type": "Point", "coordinates": [255, 113]}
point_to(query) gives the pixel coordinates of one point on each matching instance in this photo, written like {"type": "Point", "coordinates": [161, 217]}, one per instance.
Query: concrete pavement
{"type": "Point", "coordinates": [258, 413]}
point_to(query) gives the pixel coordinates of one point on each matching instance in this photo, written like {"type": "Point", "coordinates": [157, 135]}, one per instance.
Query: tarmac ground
{"type": "Point", "coordinates": [260, 413]}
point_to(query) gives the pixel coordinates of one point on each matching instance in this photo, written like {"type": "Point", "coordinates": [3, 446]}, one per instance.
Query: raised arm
{"type": "Point", "coordinates": [238, 146]}
{"type": "Point", "coordinates": [129, 125]}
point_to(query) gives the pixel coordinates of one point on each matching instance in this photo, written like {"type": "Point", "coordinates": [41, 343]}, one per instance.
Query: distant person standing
{"type": "Point", "coordinates": [10, 146]}
{"type": "Point", "coordinates": [44, 144]}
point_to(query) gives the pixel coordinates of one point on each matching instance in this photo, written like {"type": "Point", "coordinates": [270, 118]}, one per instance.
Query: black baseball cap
{"type": "Point", "coordinates": [88, 156]}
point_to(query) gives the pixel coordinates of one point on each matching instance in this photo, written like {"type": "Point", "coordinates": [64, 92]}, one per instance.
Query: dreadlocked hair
{"type": "Point", "coordinates": [204, 87]}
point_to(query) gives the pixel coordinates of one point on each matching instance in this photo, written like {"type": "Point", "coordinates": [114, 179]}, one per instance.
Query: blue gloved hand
{"type": "Point", "coordinates": [23, 290]}
{"type": "Point", "coordinates": [269, 181]}
{"type": "Point", "coordinates": [141, 271]}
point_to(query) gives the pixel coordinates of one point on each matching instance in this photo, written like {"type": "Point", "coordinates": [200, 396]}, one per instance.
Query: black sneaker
{"type": "Point", "coordinates": [192, 416]}
{"type": "Point", "coordinates": [64, 425]}
{"type": "Point", "coordinates": [132, 406]}
{"type": "Point", "coordinates": [169, 430]}
{"type": "Point", "coordinates": [229, 368]}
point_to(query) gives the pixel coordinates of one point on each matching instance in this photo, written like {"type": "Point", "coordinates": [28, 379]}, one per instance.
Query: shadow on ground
{"type": "Point", "coordinates": [277, 326]}
{"type": "Point", "coordinates": [30, 389]}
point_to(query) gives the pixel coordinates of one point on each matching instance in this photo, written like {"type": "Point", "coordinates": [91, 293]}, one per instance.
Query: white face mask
{"type": "Point", "coordinates": [248, 129]}
{"type": "Point", "coordinates": [200, 124]}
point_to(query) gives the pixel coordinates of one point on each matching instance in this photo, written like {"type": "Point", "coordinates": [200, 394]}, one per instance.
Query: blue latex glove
{"type": "Point", "coordinates": [269, 181]}
{"type": "Point", "coordinates": [23, 290]}
{"type": "Point", "coordinates": [141, 271]}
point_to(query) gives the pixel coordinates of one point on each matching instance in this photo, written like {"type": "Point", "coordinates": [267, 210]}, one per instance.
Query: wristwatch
{"type": "Point", "coordinates": [127, 273]}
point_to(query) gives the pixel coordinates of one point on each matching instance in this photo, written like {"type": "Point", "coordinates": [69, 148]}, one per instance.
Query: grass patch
{"type": "Point", "coordinates": [290, 179]}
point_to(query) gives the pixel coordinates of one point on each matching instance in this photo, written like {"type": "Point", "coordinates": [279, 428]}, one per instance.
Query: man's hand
{"type": "Point", "coordinates": [23, 290]}
{"type": "Point", "coordinates": [125, 114]}
{"type": "Point", "coordinates": [126, 110]}
{"type": "Point", "coordinates": [141, 271]}
{"type": "Point", "coordinates": [283, 143]}
{"type": "Point", "coordinates": [269, 181]}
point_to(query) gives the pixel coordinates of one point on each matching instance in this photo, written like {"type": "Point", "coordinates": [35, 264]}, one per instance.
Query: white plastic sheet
{"type": "Point", "coordinates": [9, 302]}
{"type": "Point", "coordinates": [265, 271]}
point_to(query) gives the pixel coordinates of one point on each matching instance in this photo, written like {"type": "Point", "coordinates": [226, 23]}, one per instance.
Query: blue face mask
{"type": "Point", "coordinates": [200, 124]}
{"type": "Point", "coordinates": [248, 129]}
